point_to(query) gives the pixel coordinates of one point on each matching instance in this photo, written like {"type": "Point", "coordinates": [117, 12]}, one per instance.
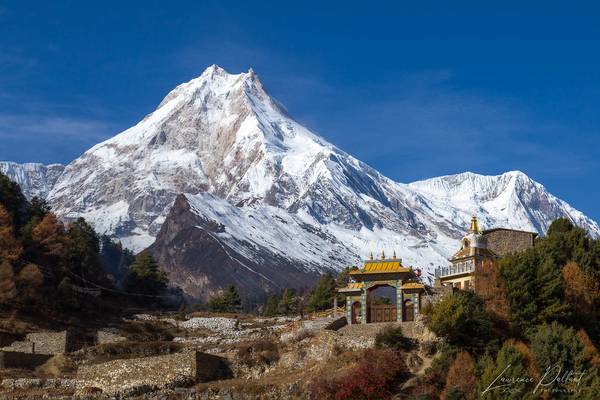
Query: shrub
{"type": "Point", "coordinates": [375, 377]}
{"type": "Point", "coordinates": [392, 338]}
{"type": "Point", "coordinates": [259, 352]}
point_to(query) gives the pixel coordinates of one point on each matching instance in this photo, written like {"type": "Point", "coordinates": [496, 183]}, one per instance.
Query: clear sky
{"type": "Point", "coordinates": [414, 88]}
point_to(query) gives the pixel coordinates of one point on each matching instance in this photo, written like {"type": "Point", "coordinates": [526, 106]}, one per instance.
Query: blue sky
{"type": "Point", "coordinates": [416, 89]}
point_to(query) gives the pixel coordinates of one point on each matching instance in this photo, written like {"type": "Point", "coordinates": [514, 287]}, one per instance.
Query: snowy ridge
{"type": "Point", "coordinates": [35, 179]}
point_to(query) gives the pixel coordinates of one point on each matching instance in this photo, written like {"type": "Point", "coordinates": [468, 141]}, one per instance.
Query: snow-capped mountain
{"type": "Point", "coordinates": [262, 201]}
{"type": "Point", "coordinates": [35, 179]}
{"type": "Point", "coordinates": [510, 200]}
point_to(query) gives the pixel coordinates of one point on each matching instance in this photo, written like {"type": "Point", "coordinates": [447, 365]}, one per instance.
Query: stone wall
{"type": "Point", "coordinates": [139, 375]}
{"type": "Point", "coordinates": [13, 359]}
{"type": "Point", "coordinates": [49, 342]}
{"type": "Point", "coordinates": [506, 241]}
{"type": "Point", "coordinates": [24, 347]}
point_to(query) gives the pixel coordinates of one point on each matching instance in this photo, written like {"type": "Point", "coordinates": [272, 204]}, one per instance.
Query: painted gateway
{"type": "Point", "coordinates": [360, 305]}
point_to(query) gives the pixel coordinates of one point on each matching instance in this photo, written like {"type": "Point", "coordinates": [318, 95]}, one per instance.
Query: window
{"type": "Point", "coordinates": [467, 284]}
{"type": "Point", "coordinates": [457, 285]}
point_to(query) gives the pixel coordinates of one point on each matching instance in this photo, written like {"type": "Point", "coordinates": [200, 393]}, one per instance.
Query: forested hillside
{"type": "Point", "coordinates": [530, 329]}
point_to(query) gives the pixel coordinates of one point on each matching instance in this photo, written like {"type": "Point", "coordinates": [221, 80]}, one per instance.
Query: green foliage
{"type": "Point", "coordinates": [114, 258]}
{"type": "Point", "coordinates": [288, 304]}
{"type": "Point", "coordinates": [272, 306]}
{"type": "Point", "coordinates": [554, 344]}
{"type": "Point", "coordinates": [14, 201]}
{"type": "Point", "coordinates": [229, 301]}
{"type": "Point", "coordinates": [508, 364]}
{"type": "Point", "coordinates": [462, 320]}
{"type": "Point", "coordinates": [68, 297]}
{"type": "Point", "coordinates": [321, 297]}
{"type": "Point", "coordinates": [392, 338]}
{"type": "Point", "coordinates": [145, 277]}
{"type": "Point", "coordinates": [534, 281]}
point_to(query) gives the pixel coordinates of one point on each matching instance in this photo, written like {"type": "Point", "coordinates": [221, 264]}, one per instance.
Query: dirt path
{"type": "Point", "coordinates": [427, 360]}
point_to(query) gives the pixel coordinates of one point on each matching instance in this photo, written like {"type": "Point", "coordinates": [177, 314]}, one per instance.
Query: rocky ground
{"type": "Point", "coordinates": [166, 356]}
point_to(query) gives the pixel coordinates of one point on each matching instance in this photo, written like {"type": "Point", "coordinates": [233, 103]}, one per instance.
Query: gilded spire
{"type": "Point", "coordinates": [371, 256]}
{"type": "Point", "coordinates": [382, 254]}
{"type": "Point", "coordinates": [474, 227]}
{"type": "Point", "coordinates": [394, 255]}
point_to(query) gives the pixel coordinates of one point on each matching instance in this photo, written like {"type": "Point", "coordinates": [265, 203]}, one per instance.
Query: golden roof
{"type": "Point", "coordinates": [479, 251]}
{"type": "Point", "coordinates": [381, 266]}
{"type": "Point", "coordinates": [412, 285]}
{"type": "Point", "coordinates": [352, 287]}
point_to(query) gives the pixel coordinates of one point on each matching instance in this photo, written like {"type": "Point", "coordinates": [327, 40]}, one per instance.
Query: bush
{"type": "Point", "coordinates": [392, 338]}
{"type": "Point", "coordinates": [259, 352]}
{"type": "Point", "coordinates": [375, 377]}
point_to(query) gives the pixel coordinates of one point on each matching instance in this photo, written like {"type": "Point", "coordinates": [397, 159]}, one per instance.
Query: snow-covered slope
{"type": "Point", "coordinates": [35, 179]}
{"type": "Point", "coordinates": [276, 192]}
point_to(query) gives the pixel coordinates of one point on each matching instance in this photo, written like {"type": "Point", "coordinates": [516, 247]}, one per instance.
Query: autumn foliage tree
{"type": "Point", "coordinates": [581, 290]}
{"type": "Point", "coordinates": [492, 290]}
{"type": "Point", "coordinates": [10, 248]}
{"type": "Point", "coordinates": [461, 380]}
{"type": "Point", "coordinates": [49, 240]}
{"type": "Point", "coordinates": [8, 288]}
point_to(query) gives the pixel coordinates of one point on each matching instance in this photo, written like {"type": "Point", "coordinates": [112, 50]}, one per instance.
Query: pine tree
{"type": "Point", "coordinates": [145, 277]}
{"type": "Point", "coordinates": [288, 304]}
{"type": "Point", "coordinates": [232, 300]}
{"type": "Point", "coordinates": [510, 364]}
{"type": "Point", "coordinates": [461, 319]}
{"type": "Point", "coordinates": [13, 201]}
{"type": "Point", "coordinates": [272, 306]}
{"type": "Point", "coordinates": [10, 248]}
{"type": "Point", "coordinates": [322, 295]}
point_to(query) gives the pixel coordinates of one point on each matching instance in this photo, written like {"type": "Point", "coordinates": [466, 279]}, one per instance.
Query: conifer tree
{"type": "Point", "coordinates": [13, 201]}
{"type": "Point", "coordinates": [272, 306]}
{"type": "Point", "coordinates": [288, 303]}
{"type": "Point", "coordinates": [322, 295]}
{"type": "Point", "coordinates": [461, 319]}
{"type": "Point", "coordinates": [145, 277]}
{"type": "Point", "coordinates": [511, 365]}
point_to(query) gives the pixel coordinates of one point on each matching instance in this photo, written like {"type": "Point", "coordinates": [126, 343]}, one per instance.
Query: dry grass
{"type": "Point", "coordinates": [258, 352]}
{"type": "Point", "coordinates": [59, 365]}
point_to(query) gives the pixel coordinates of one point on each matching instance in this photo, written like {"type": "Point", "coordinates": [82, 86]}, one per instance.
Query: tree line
{"type": "Point", "coordinates": [48, 265]}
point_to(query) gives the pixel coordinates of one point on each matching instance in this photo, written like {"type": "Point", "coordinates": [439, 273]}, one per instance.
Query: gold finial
{"type": "Point", "coordinates": [382, 254]}
{"type": "Point", "coordinates": [371, 256]}
{"type": "Point", "coordinates": [474, 227]}
{"type": "Point", "coordinates": [394, 254]}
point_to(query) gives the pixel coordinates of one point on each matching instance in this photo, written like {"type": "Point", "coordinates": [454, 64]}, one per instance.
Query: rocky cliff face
{"type": "Point", "coordinates": [261, 201]}
{"type": "Point", "coordinates": [35, 179]}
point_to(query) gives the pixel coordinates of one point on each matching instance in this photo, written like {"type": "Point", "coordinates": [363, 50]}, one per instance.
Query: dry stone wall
{"type": "Point", "coordinates": [139, 375]}
{"type": "Point", "coordinates": [506, 241]}
{"type": "Point", "coordinates": [13, 359]}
